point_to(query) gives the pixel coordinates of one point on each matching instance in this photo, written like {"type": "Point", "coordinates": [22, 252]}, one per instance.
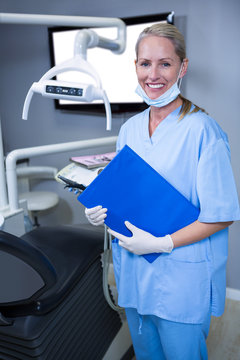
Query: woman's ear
{"type": "Point", "coordinates": [184, 68]}
{"type": "Point", "coordinates": [135, 62]}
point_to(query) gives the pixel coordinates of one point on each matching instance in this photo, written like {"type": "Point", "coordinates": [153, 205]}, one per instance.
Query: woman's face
{"type": "Point", "coordinates": [158, 65]}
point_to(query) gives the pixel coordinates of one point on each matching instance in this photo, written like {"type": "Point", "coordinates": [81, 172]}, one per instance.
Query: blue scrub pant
{"type": "Point", "coordinates": [158, 339]}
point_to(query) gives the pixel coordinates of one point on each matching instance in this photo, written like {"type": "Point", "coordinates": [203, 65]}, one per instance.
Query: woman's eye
{"type": "Point", "coordinates": [144, 64]}
{"type": "Point", "coordinates": [166, 64]}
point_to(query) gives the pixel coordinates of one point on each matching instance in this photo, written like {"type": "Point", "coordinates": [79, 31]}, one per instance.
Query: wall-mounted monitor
{"type": "Point", "coordinates": [117, 72]}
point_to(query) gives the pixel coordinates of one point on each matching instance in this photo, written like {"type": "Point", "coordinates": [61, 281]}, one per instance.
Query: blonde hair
{"type": "Point", "coordinates": [174, 35]}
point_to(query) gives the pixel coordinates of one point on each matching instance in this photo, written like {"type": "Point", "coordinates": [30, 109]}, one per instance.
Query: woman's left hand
{"type": "Point", "coordinates": [142, 242]}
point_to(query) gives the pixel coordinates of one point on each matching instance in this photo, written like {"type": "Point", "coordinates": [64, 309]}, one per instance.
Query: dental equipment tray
{"type": "Point", "coordinates": [67, 317]}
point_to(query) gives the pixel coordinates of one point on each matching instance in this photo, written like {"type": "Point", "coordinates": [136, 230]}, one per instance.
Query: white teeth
{"type": "Point", "coordinates": [155, 86]}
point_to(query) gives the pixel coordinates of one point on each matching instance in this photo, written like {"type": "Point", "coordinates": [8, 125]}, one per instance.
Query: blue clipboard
{"type": "Point", "coordinates": [132, 190]}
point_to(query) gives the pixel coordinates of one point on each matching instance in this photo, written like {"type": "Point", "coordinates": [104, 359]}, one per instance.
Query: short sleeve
{"type": "Point", "coordinates": [216, 185]}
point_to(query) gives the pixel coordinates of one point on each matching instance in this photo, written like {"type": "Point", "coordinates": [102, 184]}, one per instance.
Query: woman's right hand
{"type": "Point", "coordinates": [96, 215]}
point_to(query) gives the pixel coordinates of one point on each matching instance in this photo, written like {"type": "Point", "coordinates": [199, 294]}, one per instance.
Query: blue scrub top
{"type": "Point", "coordinates": [193, 155]}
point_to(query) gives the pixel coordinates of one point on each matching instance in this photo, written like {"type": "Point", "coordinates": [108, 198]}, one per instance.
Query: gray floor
{"type": "Point", "coordinates": [224, 336]}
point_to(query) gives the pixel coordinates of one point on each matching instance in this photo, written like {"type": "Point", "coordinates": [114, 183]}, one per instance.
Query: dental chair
{"type": "Point", "coordinates": [52, 305]}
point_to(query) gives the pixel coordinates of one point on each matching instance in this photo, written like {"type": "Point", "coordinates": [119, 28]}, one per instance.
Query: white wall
{"type": "Point", "coordinates": [212, 31]}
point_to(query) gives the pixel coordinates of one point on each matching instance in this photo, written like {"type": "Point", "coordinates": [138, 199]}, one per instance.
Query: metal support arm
{"type": "Point", "coordinates": [117, 45]}
{"type": "Point", "coordinates": [15, 155]}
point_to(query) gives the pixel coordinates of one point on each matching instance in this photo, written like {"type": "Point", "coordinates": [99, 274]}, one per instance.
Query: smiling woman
{"type": "Point", "coordinates": [165, 320]}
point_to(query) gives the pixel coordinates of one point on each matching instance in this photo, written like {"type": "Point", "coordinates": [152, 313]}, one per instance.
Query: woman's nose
{"type": "Point", "coordinates": [154, 73]}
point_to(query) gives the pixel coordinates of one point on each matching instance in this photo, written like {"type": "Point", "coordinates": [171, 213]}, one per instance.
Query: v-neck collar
{"type": "Point", "coordinates": [165, 122]}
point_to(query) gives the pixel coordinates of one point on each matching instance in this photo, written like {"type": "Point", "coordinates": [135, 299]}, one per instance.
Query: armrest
{"type": "Point", "coordinates": [29, 254]}
{"type": "Point", "coordinates": [43, 172]}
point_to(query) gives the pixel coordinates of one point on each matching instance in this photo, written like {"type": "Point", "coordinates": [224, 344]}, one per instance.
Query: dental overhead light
{"type": "Point", "coordinates": [74, 91]}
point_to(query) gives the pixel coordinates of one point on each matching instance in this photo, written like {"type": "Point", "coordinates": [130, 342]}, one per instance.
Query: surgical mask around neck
{"type": "Point", "coordinates": [170, 95]}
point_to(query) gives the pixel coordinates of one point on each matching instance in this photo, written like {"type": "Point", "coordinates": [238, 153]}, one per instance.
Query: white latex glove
{"type": "Point", "coordinates": [96, 215]}
{"type": "Point", "coordinates": [142, 242]}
